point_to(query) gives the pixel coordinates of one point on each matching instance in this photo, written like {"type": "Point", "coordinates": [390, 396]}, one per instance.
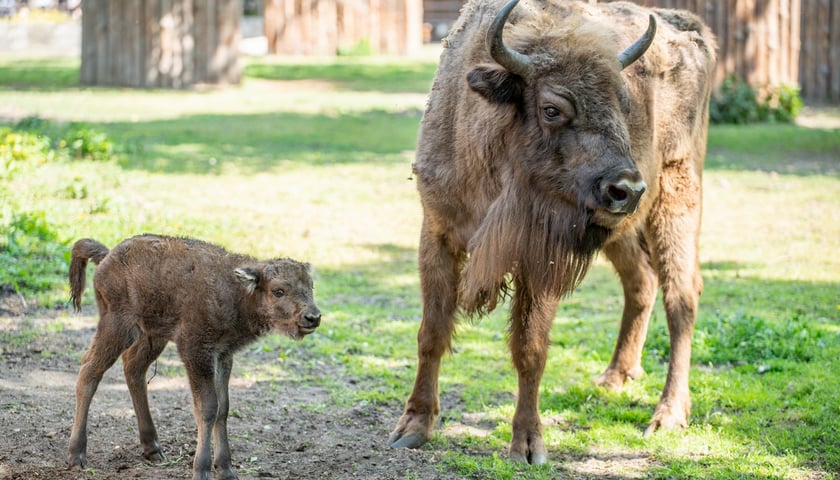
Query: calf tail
{"type": "Point", "coordinates": [84, 250]}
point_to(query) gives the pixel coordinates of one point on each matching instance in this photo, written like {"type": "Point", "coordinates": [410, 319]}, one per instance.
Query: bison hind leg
{"type": "Point", "coordinates": [631, 259]}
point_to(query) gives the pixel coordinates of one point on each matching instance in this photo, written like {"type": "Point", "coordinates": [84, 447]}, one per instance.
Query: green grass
{"type": "Point", "coordinates": [312, 160]}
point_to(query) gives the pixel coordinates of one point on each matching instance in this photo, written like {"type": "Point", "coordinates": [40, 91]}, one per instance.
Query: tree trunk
{"type": "Point", "coordinates": [160, 43]}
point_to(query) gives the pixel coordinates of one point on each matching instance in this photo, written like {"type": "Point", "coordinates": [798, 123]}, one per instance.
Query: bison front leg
{"type": "Point", "coordinates": [629, 255]}
{"type": "Point", "coordinates": [675, 229]}
{"type": "Point", "coordinates": [221, 457]}
{"type": "Point", "coordinates": [531, 320]}
{"type": "Point", "coordinates": [201, 370]}
{"type": "Point", "coordinates": [438, 282]}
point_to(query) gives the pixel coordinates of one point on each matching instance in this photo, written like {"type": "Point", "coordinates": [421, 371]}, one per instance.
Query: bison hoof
{"type": "Point", "coordinates": [154, 456]}
{"type": "Point", "coordinates": [532, 451]}
{"type": "Point", "coordinates": [412, 440]}
{"type": "Point", "coordinates": [614, 378]}
{"type": "Point", "coordinates": [77, 461]}
{"type": "Point", "coordinates": [668, 417]}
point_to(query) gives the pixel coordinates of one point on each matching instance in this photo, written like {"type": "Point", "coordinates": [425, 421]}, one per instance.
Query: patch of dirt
{"type": "Point", "coordinates": [273, 433]}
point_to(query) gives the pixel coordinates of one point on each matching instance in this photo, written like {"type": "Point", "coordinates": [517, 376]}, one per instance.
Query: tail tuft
{"type": "Point", "coordinates": [83, 250]}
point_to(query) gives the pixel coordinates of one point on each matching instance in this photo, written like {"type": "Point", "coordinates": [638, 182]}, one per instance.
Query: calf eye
{"type": "Point", "coordinates": [279, 292]}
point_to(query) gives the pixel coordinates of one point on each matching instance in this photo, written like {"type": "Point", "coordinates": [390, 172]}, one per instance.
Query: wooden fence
{"type": "Point", "coordinates": [761, 41]}
{"type": "Point", "coordinates": [322, 27]}
{"type": "Point", "coordinates": [160, 43]}
{"type": "Point", "coordinates": [774, 41]}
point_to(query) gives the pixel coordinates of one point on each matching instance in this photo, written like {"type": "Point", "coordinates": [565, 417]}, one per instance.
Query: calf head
{"type": "Point", "coordinates": [281, 292]}
{"type": "Point", "coordinates": [572, 179]}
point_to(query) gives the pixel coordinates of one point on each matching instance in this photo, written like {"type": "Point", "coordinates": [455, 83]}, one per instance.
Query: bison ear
{"type": "Point", "coordinates": [496, 84]}
{"type": "Point", "coordinates": [249, 276]}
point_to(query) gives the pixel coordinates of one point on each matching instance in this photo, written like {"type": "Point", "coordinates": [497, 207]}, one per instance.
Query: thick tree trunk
{"type": "Point", "coordinates": [160, 43]}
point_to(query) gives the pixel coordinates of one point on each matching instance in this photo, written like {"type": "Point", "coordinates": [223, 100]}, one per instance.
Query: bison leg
{"type": "Point", "coordinates": [675, 227]}
{"type": "Point", "coordinates": [438, 282]}
{"type": "Point", "coordinates": [530, 326]}
{"type": "Point", "coordinates": [108, 343]}
{"type": "Point", "coordinates": [136, 361]}
{"type": "Point", "coordinates": [630, 257]}
{"type": "Point", "coordinates": [221, 459]}
{"type": "Point", "coordinates": [201, 369]}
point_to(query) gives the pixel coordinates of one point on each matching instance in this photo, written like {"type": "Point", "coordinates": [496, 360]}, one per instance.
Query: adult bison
{"type": "Point", "coordinates": [540, 149]}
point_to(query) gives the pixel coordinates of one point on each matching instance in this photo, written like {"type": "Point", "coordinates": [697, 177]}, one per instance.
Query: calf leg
{"type": "Point", "coordinates": [221, 460]}
{"type": "Point", "coordinates": [675, 227]}
{"type": "Point", "coordinates": [632, 261]}
{"type": "Point", "coordinates": [531, 320]}
{"type": "Point", "coordinates": [201, 365]}
{"type": "Point", "coordinates": [438, 281]}
{"type": "Point", "coordinates": [136, 361]}
{"type": "Point", "coordinates": [108, 343]}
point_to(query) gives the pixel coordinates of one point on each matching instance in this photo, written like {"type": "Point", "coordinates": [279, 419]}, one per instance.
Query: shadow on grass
{"type": "Point", "coordinates": [207, 144]}
{"type": "Point", "coordinates": [781, 148]}
{"type": "Point", "coordinates": [413, 77]}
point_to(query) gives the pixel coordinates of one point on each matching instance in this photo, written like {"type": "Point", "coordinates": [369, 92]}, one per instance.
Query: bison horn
{"type": "Point", "coordinates": [639, 47]}
{"type": "Point", "coordinates": [512, 60]}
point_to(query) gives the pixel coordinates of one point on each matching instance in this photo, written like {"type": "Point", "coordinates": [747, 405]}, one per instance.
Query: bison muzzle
{"type": "Point", "coordinates": [153, 289]}
{"type": "Point", "coordinates": [553, 131]}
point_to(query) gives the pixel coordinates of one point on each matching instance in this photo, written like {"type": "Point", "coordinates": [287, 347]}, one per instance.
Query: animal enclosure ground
{"type": "Point", "coordinates": [280, 428]}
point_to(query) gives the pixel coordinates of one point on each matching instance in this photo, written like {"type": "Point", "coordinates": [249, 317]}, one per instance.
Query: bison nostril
{"type": "Point", "coordinates": [622, 196]}
{"type": "Point", "coordinates": [617, 194]}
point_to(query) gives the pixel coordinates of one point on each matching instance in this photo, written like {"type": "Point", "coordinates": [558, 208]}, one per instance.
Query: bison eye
{"type": "Point", "coordinates": [551, 112]}
{"type": "Point", "coordinates": [278, 292]}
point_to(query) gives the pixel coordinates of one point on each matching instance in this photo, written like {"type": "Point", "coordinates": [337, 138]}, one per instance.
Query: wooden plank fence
{"type": "Point", "coordinates": [160, 43]}
{"type": "Point", "coordinates": [774, 41]}
{"type": "Point", "coordinates": [761, 41]}
{"type": "Point", "coordinates": [322, 27]}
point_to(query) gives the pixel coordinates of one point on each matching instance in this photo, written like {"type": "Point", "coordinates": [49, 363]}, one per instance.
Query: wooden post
{"type": "Point", "coordinates": [160, 43]}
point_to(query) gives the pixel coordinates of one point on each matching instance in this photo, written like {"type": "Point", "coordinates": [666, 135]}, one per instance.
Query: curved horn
{"type": "Point", "coordinates": [512, 60]}
{"type": "Point", "coordinates": [640, 46]}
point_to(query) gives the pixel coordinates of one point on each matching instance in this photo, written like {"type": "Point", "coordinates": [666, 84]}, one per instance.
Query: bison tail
{"type": "Point", "coordinates": [84, 250]}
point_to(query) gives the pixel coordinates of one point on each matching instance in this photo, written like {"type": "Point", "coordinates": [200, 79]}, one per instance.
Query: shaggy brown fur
{"type": "Point", "coordinates": [153, 289]}
{"type": "Point", "coordinates": [523, 179]}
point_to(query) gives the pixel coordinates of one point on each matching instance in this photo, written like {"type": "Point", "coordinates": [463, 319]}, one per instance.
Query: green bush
{"type": "Point", "coordinates": [738, 102]}
{"type": "Point", "coordinates": [32, 255]}
{"type": "Point", "coordinates": [19, 150]}
{"type": "Point", "coordinates": [76, 140]}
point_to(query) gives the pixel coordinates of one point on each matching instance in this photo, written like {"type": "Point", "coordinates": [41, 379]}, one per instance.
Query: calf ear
{"type": "Point", "coordinates": [496, 84]}
{"type": "Point", "coordinates": [249, 276]}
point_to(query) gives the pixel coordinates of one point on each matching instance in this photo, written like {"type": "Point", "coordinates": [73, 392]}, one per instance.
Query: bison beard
{"type": "Point", "coordinates": [547, 244]}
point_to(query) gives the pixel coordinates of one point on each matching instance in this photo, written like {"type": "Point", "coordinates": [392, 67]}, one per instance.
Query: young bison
{"type": "Point", "coordinates": [151, 289]}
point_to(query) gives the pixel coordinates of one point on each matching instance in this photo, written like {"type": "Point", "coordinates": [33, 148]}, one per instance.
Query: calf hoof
{"type": "Point", "coordinates": [76, 461]}
{"type": "Point", "coordinates": [154, 456]}
{"type": "Point", "coordinates": [615, 378]}
{"type": "Point", "coordinates": [531, 451]}
{"type": "Point", "coordinates": [411, 431]}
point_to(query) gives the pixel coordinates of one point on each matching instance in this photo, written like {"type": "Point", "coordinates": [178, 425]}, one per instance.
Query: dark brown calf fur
{"type": "Point", "coordinates": [153, 289]}
{"type": "Point", "coordinates": [555, 129]}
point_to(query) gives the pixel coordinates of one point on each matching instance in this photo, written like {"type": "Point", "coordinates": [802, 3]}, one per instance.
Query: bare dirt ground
{"type": "Point", "coordinates": [273, 434]}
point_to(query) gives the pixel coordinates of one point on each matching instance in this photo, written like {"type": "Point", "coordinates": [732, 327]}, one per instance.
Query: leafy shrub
{"type": "Point", "coordinates": [76, 140]}
{"type": "Point", "coordinates": [32, 255]}
{"type": "Point", "coordinates": [21, 149]}
{"type": "Point", "coordinates": [738, 102]}
{"type": "Point", "coordinates": [85, 142]}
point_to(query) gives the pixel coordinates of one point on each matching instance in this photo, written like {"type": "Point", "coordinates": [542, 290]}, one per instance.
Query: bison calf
{"type": "Point", "coordinates": [152, 289]}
